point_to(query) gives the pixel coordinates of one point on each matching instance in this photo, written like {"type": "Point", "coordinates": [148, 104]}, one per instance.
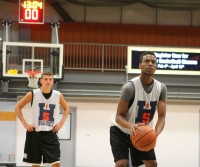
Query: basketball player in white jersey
{"type": "Point", "coordinates": [42, 143]}
{"type": "Point", "coordinates": [140, 98]}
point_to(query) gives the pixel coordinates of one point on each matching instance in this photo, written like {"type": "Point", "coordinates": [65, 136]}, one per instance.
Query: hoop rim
{"type": "Point", "coordinates": [32, 73]}
{"type": "Point", "coordinates": [33, 77]}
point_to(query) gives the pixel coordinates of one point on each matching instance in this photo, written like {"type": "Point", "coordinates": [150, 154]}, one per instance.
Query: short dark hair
{"type": "Point", "coordinates": [146, 53]}
{"type": "Point", "coordinates": [46, 73]}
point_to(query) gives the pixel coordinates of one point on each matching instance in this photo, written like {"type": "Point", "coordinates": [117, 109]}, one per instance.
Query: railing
{"type": "Point", "coordinates": [102, 57]}
{"type": "Point", "coordinates": [77, 56]}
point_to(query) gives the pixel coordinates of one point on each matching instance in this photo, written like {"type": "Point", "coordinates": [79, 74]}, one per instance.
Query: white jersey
{"type": "Point", "coordinates": [144, 105]}
{"type": "Point", "coordinates": [45, 112]}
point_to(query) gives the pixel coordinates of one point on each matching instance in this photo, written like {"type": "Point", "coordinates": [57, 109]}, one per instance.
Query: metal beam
{"type": "Point", "coordinates": [59, 9]}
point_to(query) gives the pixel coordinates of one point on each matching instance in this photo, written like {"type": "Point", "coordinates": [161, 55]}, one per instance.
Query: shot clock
{"type": "Point", "coordinates": [31, 12]}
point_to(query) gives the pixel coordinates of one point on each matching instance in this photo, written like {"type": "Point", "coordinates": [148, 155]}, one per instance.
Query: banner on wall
{"type": "Point", "coordinates": [170, 60]}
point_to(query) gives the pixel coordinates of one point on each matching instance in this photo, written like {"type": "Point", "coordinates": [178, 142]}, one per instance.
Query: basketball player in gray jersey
{"type": "Point", "coordinates": [140, 98]}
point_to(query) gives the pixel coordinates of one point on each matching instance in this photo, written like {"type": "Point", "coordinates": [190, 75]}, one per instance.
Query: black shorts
{"type": "Point", "coordinates": [120, 143]}
{"type": "Point", "coordinates": [41, 146]}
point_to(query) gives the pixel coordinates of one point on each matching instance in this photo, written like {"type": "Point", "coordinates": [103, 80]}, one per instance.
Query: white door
{"type": "Point", "coordinates": [68, 145]}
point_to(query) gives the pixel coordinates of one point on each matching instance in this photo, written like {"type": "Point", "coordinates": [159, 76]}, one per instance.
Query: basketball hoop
{"type": "Point", "coordinates": [33, 77]}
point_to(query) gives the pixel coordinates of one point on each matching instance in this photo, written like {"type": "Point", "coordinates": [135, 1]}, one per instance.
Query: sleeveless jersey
{"type": "Point", "coordinates": [45, 112]}
{"type": "Point", "coordinates": [144, 105]}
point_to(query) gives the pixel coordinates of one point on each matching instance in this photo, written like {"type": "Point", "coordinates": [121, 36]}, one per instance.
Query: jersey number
{"type": "Point", "coordinates": [45, 116]}
{"type": "Point", "coordinates": [146, 117]}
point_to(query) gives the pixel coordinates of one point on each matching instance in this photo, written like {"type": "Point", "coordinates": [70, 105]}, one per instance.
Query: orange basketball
{"type": "Point", "coordinates": [145, 139]}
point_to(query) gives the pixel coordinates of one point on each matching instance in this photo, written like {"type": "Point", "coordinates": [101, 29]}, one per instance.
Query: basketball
{"type": "Point", "coordinates": [145, 139]}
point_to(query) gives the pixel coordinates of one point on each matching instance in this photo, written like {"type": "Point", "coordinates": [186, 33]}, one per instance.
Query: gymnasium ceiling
{"type": "Point", "coordinates": [177, 5]}
{"type": "Point", "coordinates": [163, 4]}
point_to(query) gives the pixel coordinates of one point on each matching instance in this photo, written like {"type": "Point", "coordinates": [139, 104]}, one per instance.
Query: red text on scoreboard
{"type": "Point", "coordinates": [31, 12]}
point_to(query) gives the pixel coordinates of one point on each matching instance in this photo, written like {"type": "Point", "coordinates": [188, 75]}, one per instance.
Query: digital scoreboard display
{"type": "Point", "coordinates": [31, 12]}
{"type": "Point", "coordinates": [173, 61]}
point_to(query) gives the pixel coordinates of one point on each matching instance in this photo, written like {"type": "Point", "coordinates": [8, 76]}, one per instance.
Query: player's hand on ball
{"type": "Point", "coordinates": [145, 138]}
{"type": "Point", "coordinates": [134, 129]}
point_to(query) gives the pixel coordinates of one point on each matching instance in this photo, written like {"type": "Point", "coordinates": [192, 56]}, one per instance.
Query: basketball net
{"type": "Point", "coordinates": [33, 77]}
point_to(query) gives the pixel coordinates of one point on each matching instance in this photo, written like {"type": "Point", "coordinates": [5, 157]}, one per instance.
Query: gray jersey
{"type": "Point", "coordinates": [142, 101]}
{"type": "Point", "coordinates": [128, 92]}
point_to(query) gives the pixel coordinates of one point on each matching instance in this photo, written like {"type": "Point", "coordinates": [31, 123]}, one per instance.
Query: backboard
{"type": "Point", "coordinates": [20, 57]}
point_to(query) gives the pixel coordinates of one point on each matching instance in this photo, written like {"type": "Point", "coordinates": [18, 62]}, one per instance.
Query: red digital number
{"type": "Point", "coordinates": [31, 11]}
